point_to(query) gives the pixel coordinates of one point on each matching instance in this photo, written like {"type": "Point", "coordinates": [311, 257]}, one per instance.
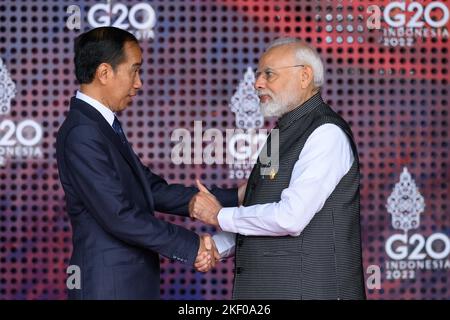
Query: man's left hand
{"type": "Point", "coordinates": [204, 206]}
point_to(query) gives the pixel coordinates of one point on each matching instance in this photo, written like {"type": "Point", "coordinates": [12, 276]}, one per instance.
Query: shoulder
{"type": "Point", "coordinates": [329, 133]}
{"type": "Point", "coordinates": [79, 132]}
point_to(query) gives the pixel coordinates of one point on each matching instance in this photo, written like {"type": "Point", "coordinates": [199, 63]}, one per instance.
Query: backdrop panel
{"type": "Point", "coordinates": [386, 74]}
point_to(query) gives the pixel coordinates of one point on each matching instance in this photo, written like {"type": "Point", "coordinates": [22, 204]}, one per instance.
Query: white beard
{"type": "Point", "coordinates": [277, 107]}
{"type": "Point", "coordinates": [272, 109]}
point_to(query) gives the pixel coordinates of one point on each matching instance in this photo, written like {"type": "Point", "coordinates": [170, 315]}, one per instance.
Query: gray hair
{"type": "Point", "coordinates": [304, 53]}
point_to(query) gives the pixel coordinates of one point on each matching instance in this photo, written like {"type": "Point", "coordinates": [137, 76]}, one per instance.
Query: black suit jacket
{"type": "Point", "coordinates": [111, 198]}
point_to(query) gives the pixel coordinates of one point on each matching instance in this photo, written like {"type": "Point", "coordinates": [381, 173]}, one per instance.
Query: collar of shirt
{"type": "Point", "coordinates": [105, 111]}
{"type": "Point", "coordinates": [287, 119]}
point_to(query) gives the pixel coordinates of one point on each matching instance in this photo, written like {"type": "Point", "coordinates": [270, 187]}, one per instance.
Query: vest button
{"type": "Point", "coordinates": [240, 242]}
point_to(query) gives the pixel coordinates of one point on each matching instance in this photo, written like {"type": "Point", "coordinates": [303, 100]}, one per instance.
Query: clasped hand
{"type": "Point", "coordinates": [205, 207]}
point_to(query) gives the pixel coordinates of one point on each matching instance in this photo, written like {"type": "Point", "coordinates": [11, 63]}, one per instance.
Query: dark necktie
{"type": "Point", "coordinates": [118, 129]}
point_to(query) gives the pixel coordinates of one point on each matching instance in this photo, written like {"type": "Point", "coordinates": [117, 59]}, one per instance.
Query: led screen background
{"type": "Point", "coordinates": [392, 88]}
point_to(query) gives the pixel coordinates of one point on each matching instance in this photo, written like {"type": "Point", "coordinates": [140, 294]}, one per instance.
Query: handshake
{"type": "Point", "coordinates": [205, 207]}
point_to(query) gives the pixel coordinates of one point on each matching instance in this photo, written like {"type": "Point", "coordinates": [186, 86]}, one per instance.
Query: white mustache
{"type": "Point", "coordinates": [260, 93]}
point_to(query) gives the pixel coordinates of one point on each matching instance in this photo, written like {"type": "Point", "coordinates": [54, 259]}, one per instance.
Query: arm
{"type": "Point", "coordinates": [174, 198]}
{"type": "Point", "coordinates": [324, 160]}
{"type": "Point", "coordinates": [225, 243]}
{"type": "Point", "coordinates": [99, 187]}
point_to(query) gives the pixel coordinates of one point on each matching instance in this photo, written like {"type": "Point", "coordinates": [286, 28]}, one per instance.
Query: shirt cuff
{"type": "Point", "coordinates": [225, 218]}
{"type": "Point", "coordinates": [225, 243]}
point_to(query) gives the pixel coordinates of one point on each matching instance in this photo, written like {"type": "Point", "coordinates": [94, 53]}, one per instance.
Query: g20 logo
{"type": "Point", "coordinates": [420, 10]}
{"type": "Point", "coordinates": [27, 133]}
{"type": "Point", "coordinates": [395, 15]}
{"type": "Point", "coordinates": [418, 243]}
{"type": "Point", "coordinates": [141, 18]}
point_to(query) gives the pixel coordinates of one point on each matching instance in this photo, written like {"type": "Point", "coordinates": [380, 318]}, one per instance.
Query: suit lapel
{"type": "Point", "coordinates": [142, 176]}
{"type": "Point", "coordinates": [115, 140]}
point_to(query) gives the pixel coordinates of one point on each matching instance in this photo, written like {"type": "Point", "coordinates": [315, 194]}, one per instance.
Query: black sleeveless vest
{"type": "Point", "coordinates": [324, 261]}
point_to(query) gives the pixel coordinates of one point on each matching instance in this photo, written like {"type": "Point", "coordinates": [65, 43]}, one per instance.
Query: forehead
{"type": "Point", "coordinates": [276, 57]}
{"type": "Point", "coordinates": [133, 52]}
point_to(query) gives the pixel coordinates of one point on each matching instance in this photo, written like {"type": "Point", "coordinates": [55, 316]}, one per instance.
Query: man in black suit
{"type": "Point", "coordinates": [111, 196]}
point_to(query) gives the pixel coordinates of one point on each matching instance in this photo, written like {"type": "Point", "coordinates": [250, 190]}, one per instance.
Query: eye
{"type": "Point", "coordinates": [268, 74]}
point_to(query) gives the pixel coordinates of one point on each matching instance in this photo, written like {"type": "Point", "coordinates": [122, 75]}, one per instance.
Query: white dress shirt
{"type": "Point", "coordinates": [325, 158]}
{"type": "Point", "coordinates": [104, 110]}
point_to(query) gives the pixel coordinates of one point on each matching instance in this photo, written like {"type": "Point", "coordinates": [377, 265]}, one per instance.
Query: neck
{"type": "Point", "coordinates": [95, 93]}
{"type": "Point", "coordinates": [309, 93]}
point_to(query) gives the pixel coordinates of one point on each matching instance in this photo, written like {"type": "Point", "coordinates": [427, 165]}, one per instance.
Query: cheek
{"type": "Point", "coordinates": [130, 81]}
{"type": "Point", "coordinates": [275, 90]}
{"type": "Point", "coordinates": [287, 87]}
{"type": "Point", "coordinates": [124, 87]}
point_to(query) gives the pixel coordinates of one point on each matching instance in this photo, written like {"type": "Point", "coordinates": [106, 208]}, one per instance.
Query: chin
{"type": "Point", "coordinates": [271, 109]}
{"type": "Point", "coordinates": [119, 109]}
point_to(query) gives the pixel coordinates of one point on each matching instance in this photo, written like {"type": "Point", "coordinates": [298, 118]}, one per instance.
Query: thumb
{"type": "Point", "coordinates": [201, 187]}
{"type": "Point", "coordinates": [207, 242]}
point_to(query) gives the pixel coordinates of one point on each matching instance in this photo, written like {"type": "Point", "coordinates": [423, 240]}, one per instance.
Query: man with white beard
{"type": "Point", "coordinates": [297, 235]}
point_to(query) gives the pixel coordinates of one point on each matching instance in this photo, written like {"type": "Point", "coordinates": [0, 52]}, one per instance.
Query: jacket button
{"type": "Point", "coordinates": [240, 242]}
{"type": "Point", "coordinates": [238, 270]}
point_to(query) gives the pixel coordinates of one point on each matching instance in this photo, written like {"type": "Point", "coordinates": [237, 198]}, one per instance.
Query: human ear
{"type": "Point", "coordinates": [103, 72]}
{"type": "Point", "coordinates": [306, 76]}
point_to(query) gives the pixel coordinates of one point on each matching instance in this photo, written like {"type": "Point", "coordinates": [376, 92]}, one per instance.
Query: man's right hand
{"type": "Point", "coordinates": [207, 254]}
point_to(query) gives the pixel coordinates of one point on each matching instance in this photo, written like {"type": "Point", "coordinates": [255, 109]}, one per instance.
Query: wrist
{"type": "Point", "coordinates": [216, 217]}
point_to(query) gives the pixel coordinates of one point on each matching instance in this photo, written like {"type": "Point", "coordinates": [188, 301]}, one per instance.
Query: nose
{"type": "Point", "coordinates": [138, 82]}
{"type": "Point", "coordinates": [260, 83]}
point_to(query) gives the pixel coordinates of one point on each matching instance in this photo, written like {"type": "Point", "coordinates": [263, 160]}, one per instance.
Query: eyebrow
{"type": "Point", "coordinates": [265, 69]}
{"type": "Point", "coordinates": [137, 64]}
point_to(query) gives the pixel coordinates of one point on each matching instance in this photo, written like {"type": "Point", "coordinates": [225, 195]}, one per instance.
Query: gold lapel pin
{"type": "Point", "coordinates": [273, 174]}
